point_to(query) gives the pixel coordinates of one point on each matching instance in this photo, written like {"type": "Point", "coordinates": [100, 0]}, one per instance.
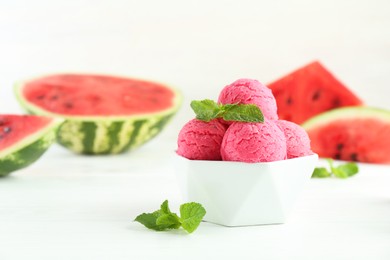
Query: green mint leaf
{"type": "Point", "coordinates": [149, 220]}
{"type": "Point", "coordinates": [169, 221]}
{"type": "Point", "coordinates": [342, 171]}
{"type": "Point", "coordinates": [164, 208]}
{"type": "Point", "coordinates": [243, 113]}
{"type": "Point", "coordinates": [350, 168]}
{"type": "Point", "coordinates": [339, 173]}
{"type": "Point", "coordinates": [334, 170]}
{"type": "Point", "coordinates": [226, 107]}
{"type": "Point", "coordinates": [163, 219]}
{"type": "Point", "coordinates": [330, 162]}
{"type": "Point", "coordinates": [320, 172]}
{"type": "Point", "coordinates": [191, 214]}
{"type": "Point", "coordinates": [205, 110]}
{"type": "Point", "coordinates": [166, 218]}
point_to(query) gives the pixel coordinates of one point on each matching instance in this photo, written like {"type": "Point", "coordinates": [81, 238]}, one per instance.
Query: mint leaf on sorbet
{"type": "Point", "coordinates": [163, 219]}
{"type": "Point", "coordinates": [207, 110]}
{"type": "Point", "coordinates": [243, 113]}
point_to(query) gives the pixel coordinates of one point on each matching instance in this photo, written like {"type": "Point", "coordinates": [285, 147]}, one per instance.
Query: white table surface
{"type": "Point", "coordinates": [78, 207]}
{"type": "Point", "coordinates": [69, 206]}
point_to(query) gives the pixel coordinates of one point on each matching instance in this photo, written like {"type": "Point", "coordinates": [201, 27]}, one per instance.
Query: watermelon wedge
{"type": "Point", "coordinates": [23, 139]}
{"type": "Point", "coordinates": [309, 91]}
{"type": "Point", "coordinates": [103, 114]}
{"type": "Point", "coordinates": [351, 133]}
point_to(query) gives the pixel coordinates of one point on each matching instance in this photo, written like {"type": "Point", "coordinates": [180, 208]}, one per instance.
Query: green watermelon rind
{"type": "Point", "coordinates": [28, 150]}
{"type": "Point", "coordinates": [346, 113]}
{"type": "Point", "coordinates": [109, 136]}
{"type": "Point", "coordinates": [105, 134]}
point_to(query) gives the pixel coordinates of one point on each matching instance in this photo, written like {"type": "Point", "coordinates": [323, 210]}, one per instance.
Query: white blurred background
{"type": "Point", "coordinates": [197, 46]}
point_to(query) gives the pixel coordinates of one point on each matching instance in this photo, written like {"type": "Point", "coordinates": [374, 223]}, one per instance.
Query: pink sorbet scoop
{"type": "Point", "coordinates": [250, 91]}
{"type": "Point", "coordinates": [298, 142]}
{"type": "Point", "coordinates": [253, 142]}
{"type": "Point", "coordinates": [199, 140]}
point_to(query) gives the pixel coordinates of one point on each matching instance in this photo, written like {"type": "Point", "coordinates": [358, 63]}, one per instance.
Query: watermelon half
{"type": "Point", "coordinates": [23, 139]}
{"type": "Point", "coordinates": [309, 91]}
{"type": "Point", "coordinates": [352, 134]}
{"type": "Point", "coordinates": [103, 114]}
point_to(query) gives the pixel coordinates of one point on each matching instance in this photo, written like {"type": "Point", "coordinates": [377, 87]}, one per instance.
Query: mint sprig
{"type": "Point", "coordinates": [207, 110]}
{"type": "Point", "coordinates": [341, 171]}
{"type": "Point", "coordinates": [191, 214]}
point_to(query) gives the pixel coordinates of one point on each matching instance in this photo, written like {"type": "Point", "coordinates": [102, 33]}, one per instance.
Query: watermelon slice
{"type": "Point", "coordinates": [23, 139]}
{"type": "Point", "coordinates": [103, 114]}
{"type": "Point", "coordinates": [309, 91]}
{"type": "Point", "coordinates": [352, 134]}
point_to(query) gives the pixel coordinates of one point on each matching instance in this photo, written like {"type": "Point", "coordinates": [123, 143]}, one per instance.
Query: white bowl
{"type": "Point", "coordinates": [242, 194]}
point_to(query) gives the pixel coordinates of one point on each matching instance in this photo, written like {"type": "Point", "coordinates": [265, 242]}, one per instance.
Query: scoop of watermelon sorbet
{"type": "Point", "coordinates": [199, 140]}
{"type": "Point", "coordinates": [250, 91]}
{"type": "Point", "coordinates": [297, 140]}
{"type": "Point", "coordinates": [253, 142]}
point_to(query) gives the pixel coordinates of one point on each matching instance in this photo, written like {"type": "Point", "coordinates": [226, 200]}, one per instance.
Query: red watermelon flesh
{"type": "Point", "coordinates": [14, 128]}
{"type": "Point", "coordinates": [309, 91]}
{"type": "Point", "coordinates": [352, 134]}
{"type": "Point", "coordinates": [97, 95]}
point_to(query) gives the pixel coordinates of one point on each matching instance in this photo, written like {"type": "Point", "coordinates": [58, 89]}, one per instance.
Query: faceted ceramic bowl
{"type": "Point", "coordinates": [242, 194]}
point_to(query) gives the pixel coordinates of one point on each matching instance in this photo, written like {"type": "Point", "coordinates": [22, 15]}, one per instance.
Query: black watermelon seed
{"type": "Point", "coordinates": [340, 147]}
{"type": "Point", "coordinates": [336, 102]}
{"type": "Point", "coordinates": [68, 105]}
{"type": "Point", "coordinates": [316, 95]}
{"type": "Point", "coordinates": [354, 157]}
{"type": "Point", "coordinates": [55, 97]}
{"type": "Point", "coordinates": [337, 156]}
{"type": "Point", "coordinates": [40, 97]}
{"type": "Point", "coordinates": [289, 101]}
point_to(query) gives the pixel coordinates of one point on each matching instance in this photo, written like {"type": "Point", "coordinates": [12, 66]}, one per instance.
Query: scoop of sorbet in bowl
{"type": "Point", "coordinates": [297, 140]}
{"type": "Point", "coordinates": [200, 140]}
{"type": "Point", "coordinates": [253, 142]}
{"type": "Point", "coordinates": [250, 91]}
